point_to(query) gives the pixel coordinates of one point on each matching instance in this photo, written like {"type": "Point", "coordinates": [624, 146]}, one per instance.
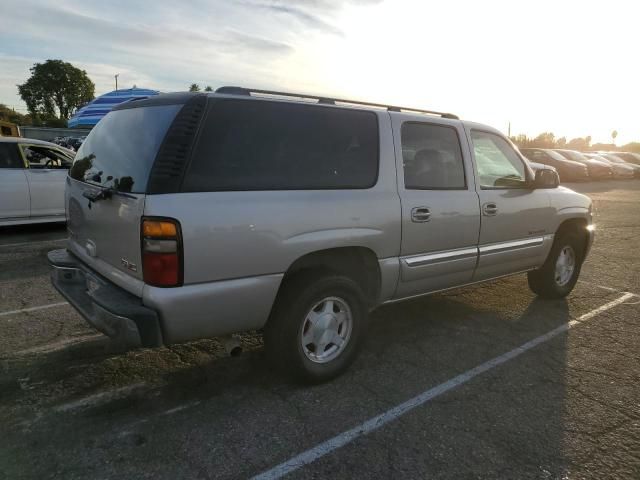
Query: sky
{"type": "Point", "coordinates": [569, 67]}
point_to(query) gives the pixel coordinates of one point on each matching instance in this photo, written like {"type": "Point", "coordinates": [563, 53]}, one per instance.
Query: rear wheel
{"type": "Point", "coordinates": [317, 326]}
{"type": "Point", "coordinates": [559, 274]}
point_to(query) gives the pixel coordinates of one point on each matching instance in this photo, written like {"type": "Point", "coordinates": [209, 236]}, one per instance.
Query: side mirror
{"type": "Point", "coordinates": [546, 178]}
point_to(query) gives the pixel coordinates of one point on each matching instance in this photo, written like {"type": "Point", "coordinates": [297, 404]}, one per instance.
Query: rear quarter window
{"type": "Point", "coordinates": [263, 145]}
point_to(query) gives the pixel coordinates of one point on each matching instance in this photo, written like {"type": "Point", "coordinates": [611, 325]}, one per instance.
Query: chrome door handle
{"type": "Point", "coordinates": [420, 214]}
{"type": "Point", "coordinates": [489, 209]}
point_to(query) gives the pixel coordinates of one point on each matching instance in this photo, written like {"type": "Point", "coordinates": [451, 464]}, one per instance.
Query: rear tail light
{"type": "Point", "coordinates": [161, 252]}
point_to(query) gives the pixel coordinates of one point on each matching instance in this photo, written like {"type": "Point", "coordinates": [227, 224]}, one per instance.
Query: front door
{"type": "Point", "coordinates": [516, 222]}
{"type": "Point", "coordinates": [14, 189]}
{"type": "Point", "coordinates": [47, 172]}
{"type": "Point", "coordinates": [440, 211]}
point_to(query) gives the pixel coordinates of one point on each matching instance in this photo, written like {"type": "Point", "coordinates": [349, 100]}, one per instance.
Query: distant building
{"type": "Point", "coordinates": [92, 112]}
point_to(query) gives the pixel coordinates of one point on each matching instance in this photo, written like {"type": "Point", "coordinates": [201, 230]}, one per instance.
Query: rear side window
{"type": "Point", "coordinates": [9, 157]}
{"type": "Point", "coordinates": [261, 145]}
{"type": "Point", "coordinates": [120, 150]}
{"type": "Point", "coordinates": [432, 157]}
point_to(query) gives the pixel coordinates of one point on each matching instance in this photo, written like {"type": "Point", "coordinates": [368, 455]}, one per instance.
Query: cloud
{"type": "Point", "coordinates": [307, 18]}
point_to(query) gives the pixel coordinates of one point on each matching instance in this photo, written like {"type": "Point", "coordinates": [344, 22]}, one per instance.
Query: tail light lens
{"type": "Point", "coordinates": [161, 252]}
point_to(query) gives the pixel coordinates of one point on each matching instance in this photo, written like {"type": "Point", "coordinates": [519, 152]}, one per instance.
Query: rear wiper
{"type": "Point", "coordinates": [104, 193]}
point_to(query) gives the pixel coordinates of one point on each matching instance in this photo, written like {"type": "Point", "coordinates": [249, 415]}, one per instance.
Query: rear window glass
{"type": "Point", "coordinates": [120, 150]}
{"type": "Point", "coordinates": [261, 145]}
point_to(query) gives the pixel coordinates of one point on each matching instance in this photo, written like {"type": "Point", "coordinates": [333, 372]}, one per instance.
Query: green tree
{"type": "Point", "coordinates": [12, 116]}
{"type": "Point", "coordinates": [631, 147]}
{"type": "Point", "coordinates": [581, 144]}
{"type": "Point", "coordinates": [208, 89]}
{"type": "Point", "coordinates": [544, 140]}
{"type": "Point", "coordinates": [55, 89]}
{"type": "Point", "coordinates": [614, 134]}
{"type": "Point", "coordinates": [522, 141]}
{"type": "Point", "coordinates": [194, 87]}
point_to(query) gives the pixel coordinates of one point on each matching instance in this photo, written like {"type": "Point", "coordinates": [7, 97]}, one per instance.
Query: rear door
{"type": "Point", "coordinates": [440, 211]}
{"type": "Point", "coordinates": [14, 189]}
{"type": "Point", "coordinates": [517, 221]}
{"type": "Point", "coordinates": [46, 174]}
{"type": "Point", "coordinates": [116, 157]}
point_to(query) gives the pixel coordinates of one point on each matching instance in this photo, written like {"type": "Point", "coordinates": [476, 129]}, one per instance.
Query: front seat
{"type": "Point", "coordinates": [430, 169]}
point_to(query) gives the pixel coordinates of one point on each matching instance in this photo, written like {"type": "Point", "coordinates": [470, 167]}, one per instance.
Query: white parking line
{"type": "Point", "coordinates": [56, 346]}
{"type": "Point", "coordinates": [609, 289]}
{"type": "Point", "coordinates": [378, 421]}
{"type": "Point", "coordinates": [33, 309]}
{"type": "Point", "coordinates": [22, 244]}
{"type": "Point", "coordinates": [100, 398]}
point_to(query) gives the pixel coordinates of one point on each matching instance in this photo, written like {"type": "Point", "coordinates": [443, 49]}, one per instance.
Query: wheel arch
{"type": "Point", "coordinates": [575, 225]}
{"type": "Point", "coordinates": [357, 262]}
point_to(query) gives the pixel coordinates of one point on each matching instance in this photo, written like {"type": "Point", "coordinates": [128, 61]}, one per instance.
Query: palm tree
{"type": "Point", "coordinates": [614, 134]}
{"type": "Point", "coordinates": [194, 87]}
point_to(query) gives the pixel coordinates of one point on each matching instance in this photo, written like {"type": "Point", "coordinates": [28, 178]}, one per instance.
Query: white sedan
{"type": "Point", "coordinates": [32, 180]}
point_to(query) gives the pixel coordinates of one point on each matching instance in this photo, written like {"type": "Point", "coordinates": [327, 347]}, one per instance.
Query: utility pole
{"type": "Point", "coordinates": [116, 77]}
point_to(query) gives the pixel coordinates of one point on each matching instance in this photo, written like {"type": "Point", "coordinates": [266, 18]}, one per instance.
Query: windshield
{"type": "Point", "coordinates": [573, 155]}
{"type": "Point", "coordinates": [555, 155]}
{"type": "Point", "coordinates": [613, 158]}
{"type": "Point", "coordinates": [120, 150]}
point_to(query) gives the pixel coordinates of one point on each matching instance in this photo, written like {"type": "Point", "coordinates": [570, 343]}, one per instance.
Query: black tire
{"type": "Point", "coordinates": [282, 334]}
{"type": "Point", "coordinates": [543, 281]}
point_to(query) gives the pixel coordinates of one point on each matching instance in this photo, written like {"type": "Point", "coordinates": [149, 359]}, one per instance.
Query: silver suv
{"type": "Point", "coordinates": [200, 215]}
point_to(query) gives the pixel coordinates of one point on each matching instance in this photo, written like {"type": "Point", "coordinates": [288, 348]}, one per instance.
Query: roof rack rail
{"type": "Point", "coordinates": [231, 90]}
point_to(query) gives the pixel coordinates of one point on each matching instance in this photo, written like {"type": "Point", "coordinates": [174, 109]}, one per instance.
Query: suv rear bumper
{"type": "Point", "coordinates": [105, 306]}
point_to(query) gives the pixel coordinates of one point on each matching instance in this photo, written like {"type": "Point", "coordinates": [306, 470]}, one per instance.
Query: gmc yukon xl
{"type": "Point", "coordinates": [201, 215]}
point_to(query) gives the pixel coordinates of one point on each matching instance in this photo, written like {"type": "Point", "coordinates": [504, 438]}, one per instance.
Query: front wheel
{"type": "Point", "coordinates": [317, 326]}
{"type": "Point", "coordinates": [559, 274]}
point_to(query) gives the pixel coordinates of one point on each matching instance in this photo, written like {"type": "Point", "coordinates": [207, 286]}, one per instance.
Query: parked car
{"type": "Point", "coordinates": [628, 157]}
{"type": "Point", "coordinates": [597, 168]}
{"type": "Point", "coordinates": [32, 178]}
{"type": "Point", "coordinates": [75, 142]}
{"type": "Point", "coordinates": [199, 215]}
{"type": "Point", "coordinates": [620, 168]}
{"type": "Point", "coordinates": [568, 170]}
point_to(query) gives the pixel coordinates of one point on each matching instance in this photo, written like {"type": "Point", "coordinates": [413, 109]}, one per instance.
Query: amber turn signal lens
{"type": "Point", "coordinates": [158, 229]}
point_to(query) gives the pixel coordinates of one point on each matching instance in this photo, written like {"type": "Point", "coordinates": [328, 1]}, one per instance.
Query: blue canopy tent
{"type": "Point", "coordinates": [92, 112]}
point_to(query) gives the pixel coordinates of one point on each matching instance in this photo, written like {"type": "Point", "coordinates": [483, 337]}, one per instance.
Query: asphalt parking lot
{"type": "Point", "coordinates": [480, 382]}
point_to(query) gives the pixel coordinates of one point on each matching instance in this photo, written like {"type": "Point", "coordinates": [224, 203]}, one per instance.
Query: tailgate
{"type": "Point", "coordinates": [106, 191]}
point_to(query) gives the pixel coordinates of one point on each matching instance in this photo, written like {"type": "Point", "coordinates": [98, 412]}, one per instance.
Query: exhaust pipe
{"type": "Point", "coordinates": [231, 344]}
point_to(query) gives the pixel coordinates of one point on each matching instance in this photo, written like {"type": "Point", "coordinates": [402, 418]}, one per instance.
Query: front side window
{"type": "Point", "coordinates": [44, 157]}
{"type": "Point", "coordinates": [9, 157]}
{"type": "Point", "coordinates": [499, 166]}
{"type": "Point", "coordinates": [262, 145]}
{"type": "Point", "coordinates": [432, 157]}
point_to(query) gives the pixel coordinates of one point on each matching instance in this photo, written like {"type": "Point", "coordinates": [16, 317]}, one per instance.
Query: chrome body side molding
{"type": "Point", "coordinates": [438, 257]}
{"type": "Point", "coordinates": [511, 245]}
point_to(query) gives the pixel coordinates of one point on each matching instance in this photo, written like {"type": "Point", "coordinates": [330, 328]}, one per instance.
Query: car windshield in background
{"type": "Point", "coordinates": [571, 155]}
{"type": "Point", "coordinates": [555, 155]}
{"type": "Point", "coordinates": [120, 150]}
